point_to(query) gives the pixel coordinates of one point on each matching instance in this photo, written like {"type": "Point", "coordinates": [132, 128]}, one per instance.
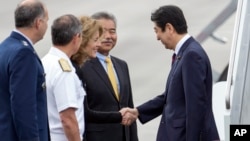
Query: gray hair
{"type": "Point", "coordinates": [26, 13]}
{"type": "Point", "coordinates": [64, 28]}
{"type": "Point", "coordinates": [104, 15]}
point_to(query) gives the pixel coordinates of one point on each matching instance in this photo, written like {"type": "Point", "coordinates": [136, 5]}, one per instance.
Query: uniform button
{"type": "Point", "coordinates": [43, 85]}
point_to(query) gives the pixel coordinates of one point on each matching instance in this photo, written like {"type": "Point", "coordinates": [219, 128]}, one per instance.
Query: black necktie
{"type": "Point", "coordinates": [173, 58]}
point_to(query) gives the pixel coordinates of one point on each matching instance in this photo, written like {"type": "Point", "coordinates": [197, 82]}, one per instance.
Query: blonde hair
{"type": "Point", "coordinates": [89, 27]}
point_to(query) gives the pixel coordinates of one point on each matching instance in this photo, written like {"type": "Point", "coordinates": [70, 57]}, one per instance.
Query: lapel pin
{"type": "Point", "coordinates": [25, 43]}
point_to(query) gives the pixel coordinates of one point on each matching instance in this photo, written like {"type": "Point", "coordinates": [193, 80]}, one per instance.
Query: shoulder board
{"type": "Point", "coordinates": [65, 65]}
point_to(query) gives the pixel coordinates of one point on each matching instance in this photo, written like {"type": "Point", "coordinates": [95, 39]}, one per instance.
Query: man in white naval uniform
{"type": "Point", "coordinates": [65, 93]}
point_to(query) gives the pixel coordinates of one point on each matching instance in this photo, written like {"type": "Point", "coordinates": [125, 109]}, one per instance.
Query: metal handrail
{"type": "Point", "coordinates": [216, 22]}
{"type": "Point", "coordinates": [232, 55]}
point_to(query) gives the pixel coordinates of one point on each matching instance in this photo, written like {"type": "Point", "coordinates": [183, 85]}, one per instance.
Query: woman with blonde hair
{"type": "Point", "coordinates": [91, 33]}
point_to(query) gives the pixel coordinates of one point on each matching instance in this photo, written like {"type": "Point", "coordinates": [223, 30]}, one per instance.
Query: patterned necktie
{"type": "Point", "coordinates": [173, 58]}
{"type": "Point", "coordinates": [111, 75]}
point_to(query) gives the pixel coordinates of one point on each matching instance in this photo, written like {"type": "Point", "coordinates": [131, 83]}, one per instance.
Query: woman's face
{"type": "Point", "coordinates": [92, 45]}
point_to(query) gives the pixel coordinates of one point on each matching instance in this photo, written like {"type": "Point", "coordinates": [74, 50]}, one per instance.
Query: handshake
{"type": "Point", "coordinates": [129, 115]}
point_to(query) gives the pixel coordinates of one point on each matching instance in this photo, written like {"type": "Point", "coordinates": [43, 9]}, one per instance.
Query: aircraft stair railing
{"type": "Point", "coordinates": [237, 93]}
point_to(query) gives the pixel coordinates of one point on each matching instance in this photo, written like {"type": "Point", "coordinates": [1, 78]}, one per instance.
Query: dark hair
{"type": "Point", "coordinates": [104, 15]}
{"type": "Point", "coordinates": [26, 13]}
{"type": "Point", "coordinates": [170, 14]}
{"type": "Point", "coordinates": [64, 28]}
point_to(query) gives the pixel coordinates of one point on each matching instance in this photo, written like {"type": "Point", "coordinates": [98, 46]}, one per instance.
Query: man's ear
{"type": "Point", "coordinates": [169, 27]}
{"type": "Point", "coordinates": [37, 23]}
{"type": "Point", "coordinates": [76, 38]}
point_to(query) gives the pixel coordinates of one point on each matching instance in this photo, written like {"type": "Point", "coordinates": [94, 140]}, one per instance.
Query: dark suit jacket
{"type": "Point", "coordinates": [23, 106]}
{"type": "Point", "coordinates": [105, 124]}
{"type": "Point", "coordinates": [186, 104]}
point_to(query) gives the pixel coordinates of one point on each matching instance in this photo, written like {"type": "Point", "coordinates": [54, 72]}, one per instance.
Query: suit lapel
{"type": "Point", "coordinates": [120, 75]}
{"type": "Point", "coordinates": [176, 62]}
{"type": "Point", "coordinates": [179, 55]}
{"type": "Point", "coordinates": [97, 66]}
{"type": "Point", "coordinates": [183, 48]}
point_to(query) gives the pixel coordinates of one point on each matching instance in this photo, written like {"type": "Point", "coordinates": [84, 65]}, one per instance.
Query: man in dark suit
{"type": "Point", "coordinates": [23, 106]}
{"type": "Point", "coordinates": [104, 95]}
{"type": "Point", "coordinates": [186, 104]}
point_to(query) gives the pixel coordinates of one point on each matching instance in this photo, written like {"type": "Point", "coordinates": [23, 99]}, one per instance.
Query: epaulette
{"type": "Point", "coordinates": [65, 65]}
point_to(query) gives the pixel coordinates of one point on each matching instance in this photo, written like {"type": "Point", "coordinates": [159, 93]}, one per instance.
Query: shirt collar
{"type": "Point", "coordinates": [58, 52]}
{"type": "Point", "coordinates": [17, 31]}
{"type": "Point", "coordinates": [101, 56]}
{"type": "Point", "coordinates": [180, 43]}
